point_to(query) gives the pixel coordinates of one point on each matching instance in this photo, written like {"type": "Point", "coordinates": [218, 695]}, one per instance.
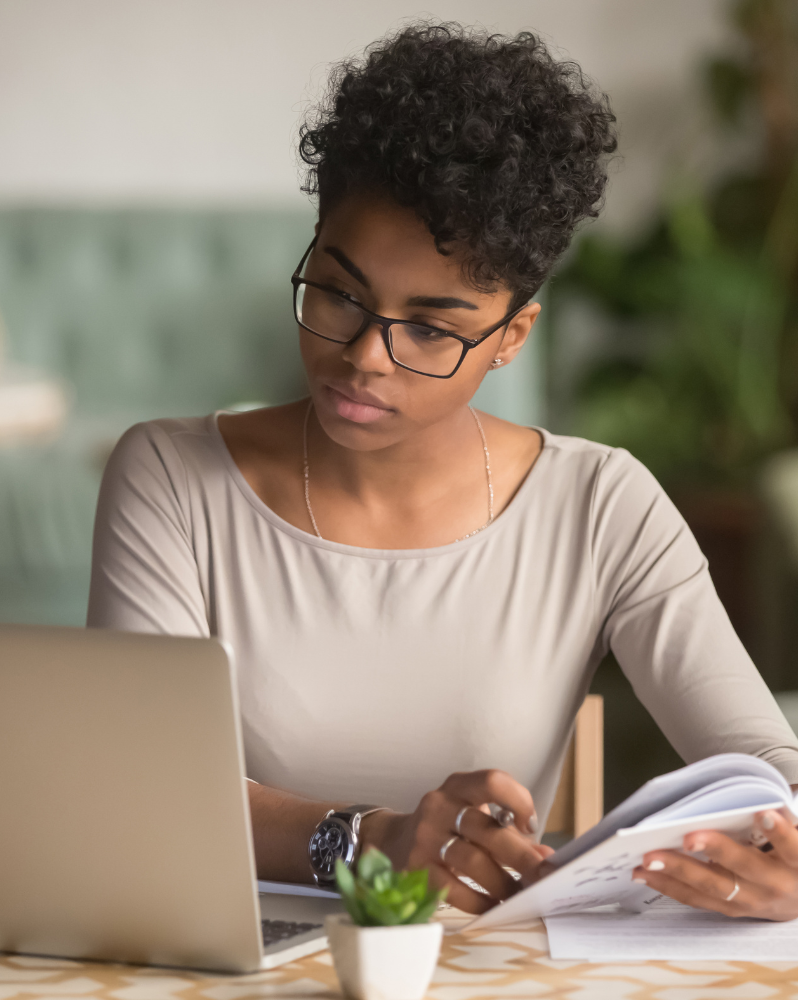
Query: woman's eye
{"type": "Point", "coordinates": [429, 328]}
{"type": "Point", "coordinates": [339, 293]}
{"type": "Point", "coordinates": [349, 298]}
{"type": "Point", "coordinates": [431, 334]}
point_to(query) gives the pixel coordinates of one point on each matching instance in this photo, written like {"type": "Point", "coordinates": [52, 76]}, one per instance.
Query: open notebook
{"type": "Point", "coordinates": [720, 793]}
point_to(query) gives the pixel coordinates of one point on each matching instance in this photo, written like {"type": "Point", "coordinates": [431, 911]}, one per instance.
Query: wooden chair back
{"type": "Point", "coordinates": [579, 802]}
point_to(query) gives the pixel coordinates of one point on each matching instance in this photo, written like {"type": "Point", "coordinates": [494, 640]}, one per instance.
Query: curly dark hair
{"type": "Point", "coordinates": [497, 146]}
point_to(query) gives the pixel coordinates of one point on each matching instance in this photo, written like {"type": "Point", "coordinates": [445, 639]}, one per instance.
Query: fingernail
{"type": "Point", "coordinates": [769, 819]}
{"type": "Point", "coordinates": [698, 845]}
{"type": "Point", "coordinates": [655, 866]}
{"type": "Point", "coordinates": [533, 824]}
{"type": "Point", "coordinates": [640, 881]}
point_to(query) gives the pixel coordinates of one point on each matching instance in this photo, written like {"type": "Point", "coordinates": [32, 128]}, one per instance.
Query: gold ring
{"type": "Point", "coordinates": [733, 893]}
{"type": "Point", "coordinates": [459, 820]}
{"type": "Point", "coordinates": [446, 847]}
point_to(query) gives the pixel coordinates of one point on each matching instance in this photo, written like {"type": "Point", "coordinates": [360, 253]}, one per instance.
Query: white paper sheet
{"type": "Point", "coordinates": [666, 930]}
{"type": "Point", "coordinates": [295, 889]}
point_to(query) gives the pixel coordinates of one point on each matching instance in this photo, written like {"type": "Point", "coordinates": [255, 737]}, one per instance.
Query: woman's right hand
{"type": "Point", "coordinates": [481, 851]}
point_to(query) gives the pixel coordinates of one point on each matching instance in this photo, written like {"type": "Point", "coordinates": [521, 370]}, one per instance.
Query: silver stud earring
{"type": "Point", "coordinates": [497, 363]}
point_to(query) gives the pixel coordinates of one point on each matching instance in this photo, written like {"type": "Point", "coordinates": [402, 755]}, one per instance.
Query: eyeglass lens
{"type": "Point", "coordinates": [331, 316]}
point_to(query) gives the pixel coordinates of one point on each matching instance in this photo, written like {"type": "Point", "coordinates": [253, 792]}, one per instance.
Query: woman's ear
{"type": "Point", "coordinates": [516, 334]}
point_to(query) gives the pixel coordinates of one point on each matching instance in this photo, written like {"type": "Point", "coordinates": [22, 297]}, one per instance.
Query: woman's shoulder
{"type": "Point", "coordinates": [561, 466]}
{"type": "Point", "coordinates": [599, 460]}
{"type": "Point", "coordinates": [163, 442]}
{"type": "Point", "coordinates": [197, 452]}
{"type": "Point", "coordinates": [621, 494]}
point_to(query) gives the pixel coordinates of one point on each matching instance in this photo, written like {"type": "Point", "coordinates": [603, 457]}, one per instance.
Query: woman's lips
{"type": "Point", "coordinates": [351, 409]}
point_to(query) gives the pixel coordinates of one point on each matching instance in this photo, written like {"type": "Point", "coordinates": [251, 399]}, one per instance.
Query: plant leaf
{"type": "Point", "coordinates": [344, 879]}
{"type": "Point", "coordinates": [373, 863]}
{"type": "Point", "coordinates": [379, 896]}
{"type": "Point", "coordinates": [423, 913]}
{"type": "Point", "coordinates": [356, 911]}
{"type": "Point", "coordinates": [382, 915]}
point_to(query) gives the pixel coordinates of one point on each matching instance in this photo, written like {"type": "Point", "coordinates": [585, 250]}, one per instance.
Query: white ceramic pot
{"type": "Point", "coordinates": [383, 963]}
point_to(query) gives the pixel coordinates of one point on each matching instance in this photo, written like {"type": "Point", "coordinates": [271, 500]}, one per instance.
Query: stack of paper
{"type": "Point", "coordinates": [666, 930]}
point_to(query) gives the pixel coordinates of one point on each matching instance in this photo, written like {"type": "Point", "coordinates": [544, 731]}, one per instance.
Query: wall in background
{"type": "Point", "coordinates": [199, 101]}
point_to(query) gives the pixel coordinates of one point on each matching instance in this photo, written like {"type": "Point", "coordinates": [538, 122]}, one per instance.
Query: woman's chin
{"type": "Point", "coordinates": [355, 436]}
{"type": "Point", "coordinates": [352, 424]}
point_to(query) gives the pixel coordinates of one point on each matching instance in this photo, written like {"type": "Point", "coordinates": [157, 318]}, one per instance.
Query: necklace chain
{"type": "Point", "coordinates": [306, 469]}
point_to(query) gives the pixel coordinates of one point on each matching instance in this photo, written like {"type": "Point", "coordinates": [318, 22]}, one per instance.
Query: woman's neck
{"type": "Point", "coordinates": [424, 491]}
{"type": "Point", "coordinates": [415, 470]}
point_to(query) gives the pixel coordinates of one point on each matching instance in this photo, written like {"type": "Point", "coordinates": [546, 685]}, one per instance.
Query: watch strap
{"type": "Point", "coordinates": [352, 815]}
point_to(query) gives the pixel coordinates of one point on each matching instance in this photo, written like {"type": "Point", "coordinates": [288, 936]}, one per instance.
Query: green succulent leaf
{"type": "Point", "coordinates": [377, 896]}
{"type": "Point", "coordinates": [356, 911]}
{"type": "Point", "coordinates": [423, 913]}
{"type": "Point", "coordinates": [345, 880]}
{"type": "Point", "coordinates": [372, 864]}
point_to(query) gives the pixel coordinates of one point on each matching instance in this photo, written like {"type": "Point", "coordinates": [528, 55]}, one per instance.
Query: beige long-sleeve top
{"type": "Point", "coordinates": [369, 676]}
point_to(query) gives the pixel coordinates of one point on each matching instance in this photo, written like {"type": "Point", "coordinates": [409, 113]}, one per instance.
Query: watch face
{"type": "Point", "coordinates": [332, 840]}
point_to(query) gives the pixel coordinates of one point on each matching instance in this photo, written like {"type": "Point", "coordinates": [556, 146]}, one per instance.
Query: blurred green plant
{"type": "Point", "coordinates": [377, 896]}
{"type": "Point", "coordinates": [709, 384]}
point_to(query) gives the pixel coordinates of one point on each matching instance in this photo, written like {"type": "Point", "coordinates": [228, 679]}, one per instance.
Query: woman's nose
{"type": "Point", "coordinates": [368, 352]}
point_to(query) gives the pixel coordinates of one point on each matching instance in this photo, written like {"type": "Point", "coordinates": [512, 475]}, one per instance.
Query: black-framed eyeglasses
{"type": "Point", "coordinates": [333, 315]}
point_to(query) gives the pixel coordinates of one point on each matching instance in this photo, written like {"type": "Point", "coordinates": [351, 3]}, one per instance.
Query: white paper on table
{"type": "Point", "coordinates": [667, 930]}
{"type": "Point", "coordinates": [295, 889]}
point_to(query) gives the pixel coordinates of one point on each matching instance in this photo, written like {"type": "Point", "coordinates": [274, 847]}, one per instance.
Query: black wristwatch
{"type": "Point", "coordinates": [337, 836]}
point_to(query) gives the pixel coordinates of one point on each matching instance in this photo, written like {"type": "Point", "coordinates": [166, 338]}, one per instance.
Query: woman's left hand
{"type": "Point", "coordinates": [768, 881]}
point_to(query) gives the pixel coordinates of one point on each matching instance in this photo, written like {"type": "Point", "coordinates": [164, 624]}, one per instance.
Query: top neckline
{"type": "Point", "coordinates": [509, 513]}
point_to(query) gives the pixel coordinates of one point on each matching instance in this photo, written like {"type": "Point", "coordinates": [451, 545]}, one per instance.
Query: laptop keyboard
{"type": "Point", "coordinates": [282, 930]}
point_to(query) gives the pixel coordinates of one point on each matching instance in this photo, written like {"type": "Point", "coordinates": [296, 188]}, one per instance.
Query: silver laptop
{"type": "Point", "coordinates": [124, 822]}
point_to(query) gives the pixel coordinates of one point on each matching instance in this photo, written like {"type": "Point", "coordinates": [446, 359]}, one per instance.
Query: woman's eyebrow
{"type": "Point", "coordinates": [441, 302]}
{"type": "Point", "coordinates": [347, 265]}
{"type": "Point", "coordinates": [428, 301]}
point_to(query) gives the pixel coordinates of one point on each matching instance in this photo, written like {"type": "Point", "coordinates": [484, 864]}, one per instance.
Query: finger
{"type": "Point", "coordinates": [709, 883]}
{"type": "Point", "coordinates": [459, 895]}
{"type": "Point", "coordinates": [744, 861]}
{"type": "Point", "coordinates": [712, 880]}
{"type": "Point", "coordinates": [782, 835]}
{"type": "Point", "coordinates": [468, 859]}
{"type": "Point", "coordinates": [691, 895]}
{"type": "Point", "coordinates": [478, 787]}
{"type": "Point", "coordinates": [504, 844]}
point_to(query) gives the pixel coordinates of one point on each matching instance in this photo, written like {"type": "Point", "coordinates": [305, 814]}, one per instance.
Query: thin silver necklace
{"type": "Point", "coordinates": [487, 474]}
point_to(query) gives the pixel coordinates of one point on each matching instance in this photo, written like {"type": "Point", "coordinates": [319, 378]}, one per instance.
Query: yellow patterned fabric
{"type": "Point", "coordinates": [495, 964]}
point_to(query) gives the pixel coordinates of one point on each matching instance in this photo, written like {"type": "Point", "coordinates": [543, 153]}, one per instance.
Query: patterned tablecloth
{"type": "Point", "coordinates": [495, 964]}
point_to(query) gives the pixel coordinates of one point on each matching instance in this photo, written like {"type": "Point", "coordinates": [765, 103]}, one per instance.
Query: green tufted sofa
{"type": "Point", "coordinates": [143, 314]}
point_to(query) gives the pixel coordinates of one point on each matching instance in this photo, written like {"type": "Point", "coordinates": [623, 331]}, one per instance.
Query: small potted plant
{"type": "Point", "coordinates": [384, 947]}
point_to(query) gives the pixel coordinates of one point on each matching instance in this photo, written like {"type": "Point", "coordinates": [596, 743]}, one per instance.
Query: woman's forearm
{"type": "Point", "coordinates": [282, 825]}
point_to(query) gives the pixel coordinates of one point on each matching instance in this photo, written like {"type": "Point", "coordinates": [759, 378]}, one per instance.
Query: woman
{"type": "Point", "coordinates": [418, 594]}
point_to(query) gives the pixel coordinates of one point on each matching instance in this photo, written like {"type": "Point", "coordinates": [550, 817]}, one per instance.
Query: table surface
{"type": "Point", "coordinates": [494, 964]}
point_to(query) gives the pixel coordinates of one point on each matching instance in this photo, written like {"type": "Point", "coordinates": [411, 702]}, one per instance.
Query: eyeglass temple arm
{"type": "Point", "coordinates": [305, 256]}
